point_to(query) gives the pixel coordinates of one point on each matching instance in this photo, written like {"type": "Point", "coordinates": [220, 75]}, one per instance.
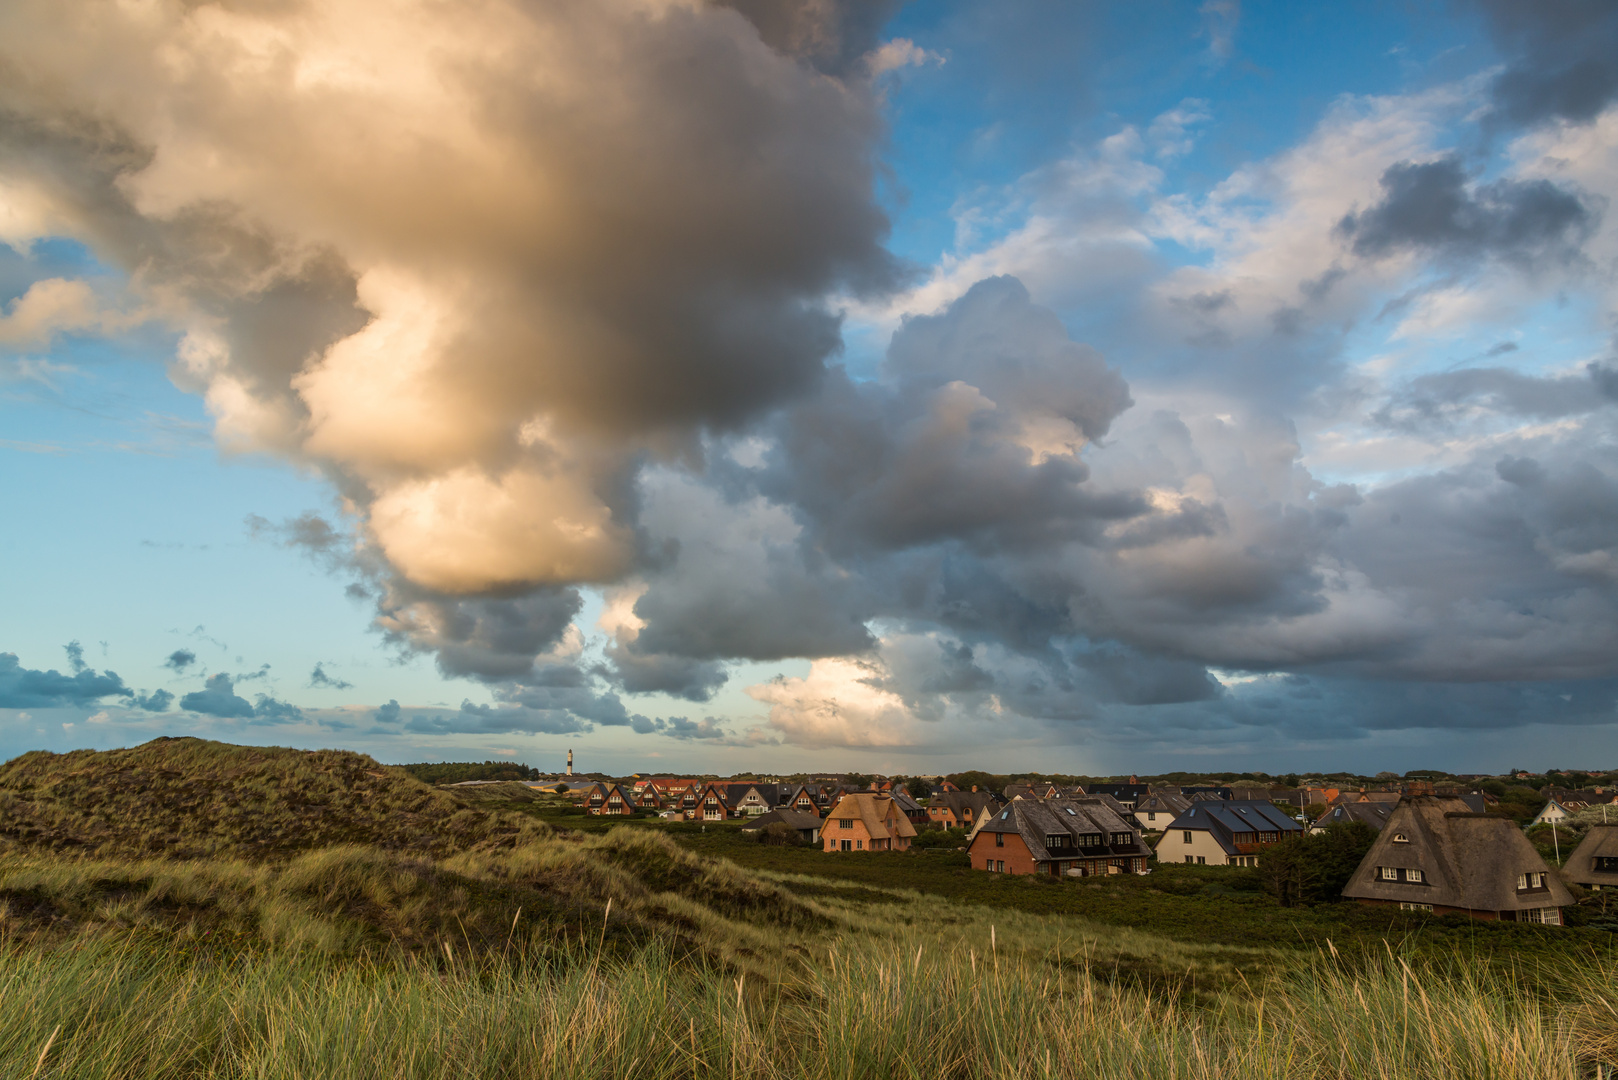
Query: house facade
{"type": "Point", "coordinates": [960, 809]}
{"type": "Point", "coordinates": [1214, 832]}
{"type": "Point", "coordinates": [1436, 855]}
{"type": "Point", "coordinates": [866, 821]}
{"type": "Point", "coordinates": [1157, 810]}
{"type": "Point", "coordinates": [1058, 838]}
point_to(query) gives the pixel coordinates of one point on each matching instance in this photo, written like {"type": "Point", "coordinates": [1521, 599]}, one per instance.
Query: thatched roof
{"type": "Point", "coordinates": [1171, 803]}
{"type": "Point", "coordinates": [1468, 861]}
{"type": "Point", "coordinates": [876, 811]}
{"type": "Point", "coordinates": [1600, 842]}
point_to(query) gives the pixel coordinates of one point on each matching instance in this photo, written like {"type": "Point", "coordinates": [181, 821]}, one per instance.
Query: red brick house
{"type": "Point", "coordinates": [1058, 837]}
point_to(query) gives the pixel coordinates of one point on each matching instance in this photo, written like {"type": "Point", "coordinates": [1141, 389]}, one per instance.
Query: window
{"type": "Point", "coordinates": [1548, 915]}
{"type": "Point", "coordinates": [845, 823]}
{"type": "Point", "coordinates": [1188, 836]}
{"type": "Point", "coordinates": [1268, 837]}
{"type": "Point", "coordinates": [1607, 864]}
{"type": "Point", "coordinates": [1405, 905]}
{"type": "Point", "coordinates": [848, 845]}
{"type": "Point", "coordinates": [999, 839]}
{"type": "Point", "coordinates": [1415, 876]}
{"type": "Point", "coordinates": [859, 845]}
{"type": "Point", "coordinates": [1531, 881]}
{"type": "Point", "coordinates": [1202, 860]}
{"type": "Point", "coordinates": [1400, 838]}
{"type": "Point", "coordinates": [1121, 838]}
{"type": "Point", "coordinates": [999, 867]}
{"type": "Point", "coordinates": [1390, 874]}
{"type": "Point", "coordinates": [1190, 858]}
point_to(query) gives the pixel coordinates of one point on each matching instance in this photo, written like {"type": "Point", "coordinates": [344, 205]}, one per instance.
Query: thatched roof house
{"type": "Point", "coordinates": [1435, 855]}
{"type": "Point", "coordinates": [1594, 863]}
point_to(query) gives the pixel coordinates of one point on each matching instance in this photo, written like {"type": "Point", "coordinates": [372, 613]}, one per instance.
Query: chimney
{"type": "Point", "coordinates": [974, 789]}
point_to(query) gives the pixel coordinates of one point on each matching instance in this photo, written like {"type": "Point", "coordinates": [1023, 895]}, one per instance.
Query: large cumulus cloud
{"type": "Point", "coordinates": [441, 255]}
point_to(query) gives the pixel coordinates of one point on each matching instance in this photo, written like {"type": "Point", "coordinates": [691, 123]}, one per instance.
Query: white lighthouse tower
{"type": "Point", "coordinates": [570, 762]}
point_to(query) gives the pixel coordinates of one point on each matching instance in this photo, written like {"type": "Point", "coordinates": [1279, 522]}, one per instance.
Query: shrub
{"type": "Point", "coordinates": [1315, 867]}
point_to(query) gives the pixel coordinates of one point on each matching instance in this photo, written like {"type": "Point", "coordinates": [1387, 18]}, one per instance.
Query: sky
{"type": "Point", "coordinates": [789, 385]}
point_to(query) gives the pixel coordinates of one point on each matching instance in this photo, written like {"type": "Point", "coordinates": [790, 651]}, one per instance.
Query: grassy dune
{"type": "Point", "coordinates": [193, 910]}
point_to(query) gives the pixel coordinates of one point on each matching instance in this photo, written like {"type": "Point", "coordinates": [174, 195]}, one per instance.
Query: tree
{"type": "Point", "coordinates": [919, 789]}
{"type": "Point", "coordinates": [1312, 868]}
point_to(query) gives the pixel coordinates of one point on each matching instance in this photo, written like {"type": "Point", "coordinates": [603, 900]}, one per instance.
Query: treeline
{"type": "Point", "coordinates": [454, 772]}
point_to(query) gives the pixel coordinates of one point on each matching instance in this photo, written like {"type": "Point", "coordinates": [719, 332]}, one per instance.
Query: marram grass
{"type": "Point", "coordinates": [867, 1006]}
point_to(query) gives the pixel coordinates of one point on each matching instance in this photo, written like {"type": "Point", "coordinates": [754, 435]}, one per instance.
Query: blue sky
{"type": "Point", "coordinates": [1097, 388]}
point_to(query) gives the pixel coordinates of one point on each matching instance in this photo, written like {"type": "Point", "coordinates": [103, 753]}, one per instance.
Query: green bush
{"type": "Point", "coordinates": [1315, 867]}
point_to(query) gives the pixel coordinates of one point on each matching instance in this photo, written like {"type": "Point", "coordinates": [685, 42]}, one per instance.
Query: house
{"type": "Point", "coordinates": [799, 797]}
{"type": "Point", "coordinates": [1215, 832]}
{"type": "Point", "coordinates": [1594, 863]}
{"type": "Point", "coordinates": [1436, 855]}
{"type": "Point", "coordinates": [1564, 804]}
{"type": "Point", "coordinates": [1374, 814]}
{"type": "Point", "coordinates": [609, 800]}
{"type": "Point", "coordinates": [865, 821]}
{"type": "Point", "coordinates": [1126, 794]}
{"type": "Point", "coordinates": [959, 809]}
{"type": "Point", "coordinates": [911, 809]}
{"type": "Point", "coordinates": [648, 797]}
{"type": "Point", "coordinates": [1058, 837]}
{"type": "Point", "coordinates": [1156, 810]}
{"type": "Point", "coordinates": [807, 824]}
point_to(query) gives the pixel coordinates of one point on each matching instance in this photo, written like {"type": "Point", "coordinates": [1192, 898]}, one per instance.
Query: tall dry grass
{"type": "Point", "coordinates": [870, 1005]}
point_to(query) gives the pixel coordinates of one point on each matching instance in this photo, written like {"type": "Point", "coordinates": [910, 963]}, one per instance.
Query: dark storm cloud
{"type": "Point", "coordinates": [218, 698]}
{"type": "Point", "coordinates": [179, 660]}
{"type": "Point", "coordinates": [156, 701]}
{"type": "Point", "coordinates": [26, 688]}
{"type": "Point", "coordinates": [483, 638]}
{"type": "Point", "coordinates": [1559, 58]}
{"type": "Point", "coordinates": [319, 680]}
{"type": "Point", "coordinates": [1432, 207]}
{"type": "Point", "coordinates": [971, 436]}
{"type": "Point", "coordinates": [833, 35]}
{"type": "Point", "coordinates": [658, 673]}
{"type": "Point", "coordinates": [1448, 396]}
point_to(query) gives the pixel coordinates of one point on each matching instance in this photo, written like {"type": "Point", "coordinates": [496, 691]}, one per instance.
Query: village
{"type": "Point", "coordinates": [1434, 847]}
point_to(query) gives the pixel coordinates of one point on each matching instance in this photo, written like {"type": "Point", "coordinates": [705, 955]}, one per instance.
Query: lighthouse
{"type": "Point", "coordinates": [570, 762]}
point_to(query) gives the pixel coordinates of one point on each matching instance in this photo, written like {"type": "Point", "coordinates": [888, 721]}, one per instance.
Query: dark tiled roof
{"type": "Point", "coordinates": [1163, 802]}
{"type": "Point", "coordinates": [1224, 821]}
{"type": "Point", "coordinates": [1036, 819]}
{"type": "Point", "coordinates": [794, 818]}
{"type": "Point", "coordinates": [1469, 861]}
{"type": "Point", "coordinates": [1600, 841]}
{"type": "Point", "coordinates": [1374, 814]}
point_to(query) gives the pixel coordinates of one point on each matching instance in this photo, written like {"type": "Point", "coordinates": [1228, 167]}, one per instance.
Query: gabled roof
{"type": "Point", "coordinates": [905, 802]}
{"type": "Point", "coordinates": [1601, 840]}
{"type": "Point", "coordinates": [872, 809]}
{"type": "Point", "coordinates": [1469, 861]}
{"type": "Point", "coordinates": [1374, 814]}
{"type": "Point", "coordinates": [1036, 819]}
{"type": "Point", "coordinates": [1225, 820]}
{"type": "Point", "coordinates": [1163, 802]}
{"type": "Point", "coordinates": [966, 805]}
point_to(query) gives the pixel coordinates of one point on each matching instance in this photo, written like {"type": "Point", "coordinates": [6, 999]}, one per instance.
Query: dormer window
{"type": "Point", "coordinates": [1531, 881]}
{"type": "Point", "coordinates": [1400, 838]}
